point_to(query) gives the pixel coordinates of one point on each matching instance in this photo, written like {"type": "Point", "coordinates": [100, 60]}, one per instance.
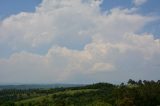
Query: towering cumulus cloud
{"type": "Point", "coordinates": [74, 41]}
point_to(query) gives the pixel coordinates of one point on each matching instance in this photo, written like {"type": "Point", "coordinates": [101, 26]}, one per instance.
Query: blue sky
{"type": "Point", "coordinates": [52, 41]}
{"type": "Point", "coordinates": [8, 7]}
{"type": "Point", "coordinates": [151, 6]}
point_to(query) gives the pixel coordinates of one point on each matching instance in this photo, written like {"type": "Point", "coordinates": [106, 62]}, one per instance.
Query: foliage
{"type": "Point", "coordinates": [134, 93]}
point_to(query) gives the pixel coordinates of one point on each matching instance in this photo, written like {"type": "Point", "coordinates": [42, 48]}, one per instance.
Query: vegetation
{"type": "Point", "coordinates": [134, 93]}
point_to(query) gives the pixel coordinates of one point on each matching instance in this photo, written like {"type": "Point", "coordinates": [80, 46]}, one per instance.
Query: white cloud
{"type": "Point", "coordinates": [84, 44]}
{"type": "Point", "coordinates": [79, 21]}
{"type": "Point", "coordinates": [128, 58]}
{"type": "Point", "coordinates": [139, 2]}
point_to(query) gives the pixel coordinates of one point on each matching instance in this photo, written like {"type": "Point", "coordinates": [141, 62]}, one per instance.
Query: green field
{"type": "Point", "coordinates": [140, 93]}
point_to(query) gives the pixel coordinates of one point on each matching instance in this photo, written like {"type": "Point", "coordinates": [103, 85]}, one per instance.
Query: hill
{"type": "Point", "coordinates": [140, 93]}
{"type": "Point", "coordinates": [38, 86]}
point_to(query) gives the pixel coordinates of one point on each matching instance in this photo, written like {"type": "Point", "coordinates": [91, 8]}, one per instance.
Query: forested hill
{"type": "Point", "coordinates": [134, 93]}
{"type": "Point", "coordinates": [38, 86]}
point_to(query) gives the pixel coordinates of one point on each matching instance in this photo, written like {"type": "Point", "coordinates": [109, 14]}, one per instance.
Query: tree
{"type": "Point", "coordinates": [130, 81]}
{"type": "Point", "coordinates": [140, 82]}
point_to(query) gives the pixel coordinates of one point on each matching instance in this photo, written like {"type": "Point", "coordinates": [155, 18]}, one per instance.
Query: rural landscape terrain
{"type": "Point", "coordinates": [140, 93]}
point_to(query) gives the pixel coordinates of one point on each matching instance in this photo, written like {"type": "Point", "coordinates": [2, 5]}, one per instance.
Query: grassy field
{"type": "Point", "coordinates": [146, 93]}
{"type": "Point", "coordinates": [49, 96]}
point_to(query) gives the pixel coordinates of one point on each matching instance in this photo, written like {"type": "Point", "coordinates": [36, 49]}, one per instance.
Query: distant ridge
{"type": "Point", "coordinates": [39, 86]}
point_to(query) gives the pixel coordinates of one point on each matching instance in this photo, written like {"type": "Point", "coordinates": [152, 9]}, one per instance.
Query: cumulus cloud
{"type": "Point", "coordinates": [139, 2]}
{"type": "Point", "coordinates": [84, 44]}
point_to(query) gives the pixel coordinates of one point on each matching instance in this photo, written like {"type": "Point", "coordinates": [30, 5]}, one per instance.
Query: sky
{"type": "Point", "coordinates": [79, 41]}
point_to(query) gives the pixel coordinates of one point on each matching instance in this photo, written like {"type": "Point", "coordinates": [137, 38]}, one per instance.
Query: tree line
{"type": "Point", "coordinates": [132, 93]}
